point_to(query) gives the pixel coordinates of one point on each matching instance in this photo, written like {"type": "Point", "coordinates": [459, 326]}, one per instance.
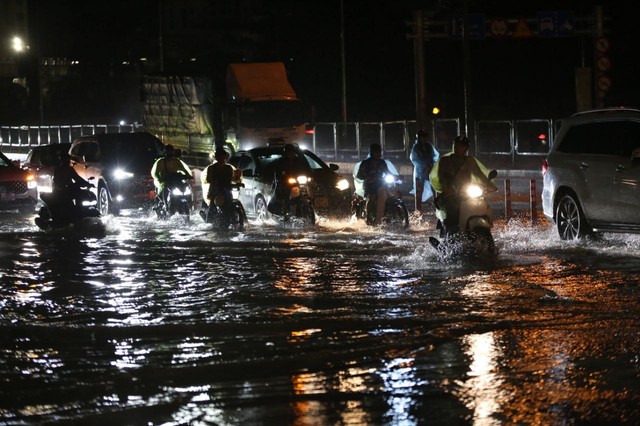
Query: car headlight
{"type": "Point", "coordinates": [31, 182]}
{"type": "Point", "coordinates": [474, 191]}
{"type": "Point", "coordinates": [303, 180]}
{"type": "Point", "coordinates": [342, 184]}
{"type": "Point", "coordinates": [120, 174]}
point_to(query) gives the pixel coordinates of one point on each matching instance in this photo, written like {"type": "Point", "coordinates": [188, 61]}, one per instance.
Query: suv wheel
{"type": "Point", "coordinates": [570, 220]}
{"type": "Point", "coordinates": [103, 200]}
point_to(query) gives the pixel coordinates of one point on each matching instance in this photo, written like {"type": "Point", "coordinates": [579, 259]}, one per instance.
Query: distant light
{"type": "Point", "coordinates": [542, 136]}
{"type": "Point", "coordinates": [18, 44]}
{"type": "Point", "coordinates": [435, 110]}
{"type": "Point", "coordinates": [125, 62]}
{"type": "Point", "coordinates": [192, 59]}
{"type": "Point", "coordinates": [122, 122]}
{"type": "Point", "coordinates": [310, 131]}
{"type": "Point", "coordinates": [143, 59]}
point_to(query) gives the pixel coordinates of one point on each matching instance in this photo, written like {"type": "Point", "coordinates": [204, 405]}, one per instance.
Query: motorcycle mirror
{"type": "Point", "coordinates": [493, 174]}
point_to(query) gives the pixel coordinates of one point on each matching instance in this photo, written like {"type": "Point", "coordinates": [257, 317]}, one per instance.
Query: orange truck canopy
{"type": "Point", "coordinates": [258, 81]}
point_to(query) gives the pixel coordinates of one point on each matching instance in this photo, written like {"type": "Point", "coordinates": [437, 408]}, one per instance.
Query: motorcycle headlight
{"type": "Point", "coordinates": [291, 181]}
{"type": "Point", "coordinates": [89, 203]}
{"type": "Point", "coordinates": [120, 174]}
{"type": "Point", "coordinates": [342, 184]}
{"type": "Point", "coordinates": [389, 179]}
{"type": "Point", "coordinates": [235, 193]}
{"type": "Point", "coordinates": [474, 191]}
{"type": "Point", "coordinates": [302, 180]}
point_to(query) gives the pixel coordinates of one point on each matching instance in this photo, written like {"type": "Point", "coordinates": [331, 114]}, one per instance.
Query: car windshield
{"type": "Point", "coordinates": [272, 114]}
{"type": "Point", "coordinates": [4, 161]}
{"type": "Point", "coordinates": [49, 156]}
{"type": "Point", "coordinates": [137, 151]}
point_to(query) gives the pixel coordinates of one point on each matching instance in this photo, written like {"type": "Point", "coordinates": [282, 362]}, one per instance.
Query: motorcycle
{"type": "Point", "coordinates": [299, 204]}
{"type": "Point", "coordinates": [79, 213]}
{"type": "Point", "coordinates": [223, 218]}
{"type": "Point", "coordinates": [473, 234]}
{"type": "Point", "coordinates": [179, 197]}
{"type": "Point", "coordinates": [396, 214]}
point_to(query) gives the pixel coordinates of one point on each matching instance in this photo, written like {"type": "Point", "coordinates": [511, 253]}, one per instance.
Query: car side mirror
{"type": "Point", "coordinates": [492, 174]}
{"type": "Point", "coordinates": [333, 166]}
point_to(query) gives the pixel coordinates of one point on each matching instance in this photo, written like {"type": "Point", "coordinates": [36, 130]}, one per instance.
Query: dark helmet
{"type": "Point", "coordinates": [289, 148]}
{"type": "Point", "coordinates": [422, 134]}
{"type": "Point", "coordinates": [64, 157]}
{"type": "Point", "coordinates": [221, 152]}
{"type": "Point", "coordinates": [462, 140]}
{"type": "Point", "coordinates": [168, 149]}
{"type": "Point", "coordinates": [375, 147]}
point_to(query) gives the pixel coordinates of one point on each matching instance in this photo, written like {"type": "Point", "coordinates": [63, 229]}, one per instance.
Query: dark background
{"type": "Point", "coordinates": [510, 78]}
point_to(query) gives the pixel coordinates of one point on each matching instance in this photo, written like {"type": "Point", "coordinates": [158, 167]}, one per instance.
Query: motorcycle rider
{"type": "Point", "coordinates": [67, 186]}
{"type": "Point", "coordinates": [217, 180]}
{"type": "Point", "coordinates": [423, 156]}
{"type": "Point", "coordinates": [289, 165]}
{"type": "Point", "coordinates": [372, 171]}
{"type": "Point", "coordinates": [165, 168]}
{"type": "Point", "coordinates": [452, 172]}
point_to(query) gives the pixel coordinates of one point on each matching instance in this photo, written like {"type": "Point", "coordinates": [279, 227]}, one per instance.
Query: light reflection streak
{"type": "Point", "coordinates": [128, 357]}
{"type": "Point", "coordinates": [399, 378]}
{"type": "Point", "coordinates": [482, 391]}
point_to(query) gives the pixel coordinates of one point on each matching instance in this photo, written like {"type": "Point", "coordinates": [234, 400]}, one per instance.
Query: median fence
{"type": "Point", "coordinates": [503, 144]}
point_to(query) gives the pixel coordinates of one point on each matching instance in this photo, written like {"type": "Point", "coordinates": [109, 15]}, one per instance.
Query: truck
{"type": "Point", "coordinates": [260, 104]}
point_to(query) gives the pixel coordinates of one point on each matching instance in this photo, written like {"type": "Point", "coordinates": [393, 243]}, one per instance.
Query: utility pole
{"type": "Point", "coordinates": [418, 53]}
{"type": "Point", "coordinates": [466, 69]}
{"type": "Point", "coordinates": [344, 65]}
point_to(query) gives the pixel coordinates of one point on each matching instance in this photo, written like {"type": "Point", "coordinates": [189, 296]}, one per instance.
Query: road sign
{"type": "Point", "coordinates": [603, 63]}
{"type": "Point", "coordinates": [602, 44]}
{"type": "Point", "coordinates": [557, 23]}
{"type": "Point", "coordinates": [476, 26]}
{"type": "Point", "coordinates": [604, 83]}
{"type": "Point", "coordinates": [499, 28]}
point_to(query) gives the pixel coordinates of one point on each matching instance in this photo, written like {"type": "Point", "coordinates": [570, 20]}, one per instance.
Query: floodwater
{"type": "Point", "coordinates": [176, 324]}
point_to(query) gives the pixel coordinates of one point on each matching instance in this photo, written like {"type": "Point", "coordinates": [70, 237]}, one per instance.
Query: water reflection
{"type": "Point", "coordinates": [337, 325]}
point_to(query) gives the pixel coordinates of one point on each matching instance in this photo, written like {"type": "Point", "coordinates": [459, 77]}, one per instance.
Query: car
{"type": "Point", "coordinates": [120, 165]}
{"type": "Point", "coordinates": [42, 160]}
{"type": "Point", "coordinates": [591, 174]}
{"type": "Point", "coordinates": [330, 191]}
{"type": "Point", "coordinates": [18, 187]}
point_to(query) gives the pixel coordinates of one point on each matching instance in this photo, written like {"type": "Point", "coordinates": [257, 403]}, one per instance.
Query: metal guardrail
{"type": "Point", "coordinates": [506, 141]}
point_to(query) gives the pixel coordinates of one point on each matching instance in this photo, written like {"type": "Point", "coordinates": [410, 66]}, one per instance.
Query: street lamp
{"type": "Point", "coordinates": [17, 44]}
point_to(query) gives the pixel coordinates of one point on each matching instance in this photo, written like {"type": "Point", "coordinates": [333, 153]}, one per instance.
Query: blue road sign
{"type": "Point", "coordinates": [476, 26]}
{"type": "Point", "coordinates": [559, 23]}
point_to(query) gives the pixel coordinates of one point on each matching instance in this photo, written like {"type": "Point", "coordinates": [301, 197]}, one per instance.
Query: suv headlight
{"type": "Point", "coordinates": [342, 184]}
{"type": "Point", "coordinates": [120, 174]}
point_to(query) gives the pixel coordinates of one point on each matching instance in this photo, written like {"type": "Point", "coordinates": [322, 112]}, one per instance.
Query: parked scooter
{"type": "Point", "coordinates": [396, 214]}
{"type": "Point", "coordinates": [298, 206]}
{"type": "Point", "coordinates": [473, 234]}
{"type": "Point", "coordinates": [79, 214]}
{"type": "Point", "coordinates": [233, 218]}
{"type": "Point", "coordinates": [179, 197]}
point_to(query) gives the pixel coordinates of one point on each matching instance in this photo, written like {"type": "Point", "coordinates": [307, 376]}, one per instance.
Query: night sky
{"type": "Point", "coordinates": [510, 78]}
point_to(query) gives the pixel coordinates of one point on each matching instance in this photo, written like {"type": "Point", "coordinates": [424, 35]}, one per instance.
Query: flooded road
{"type": "Point", "coordinates": [341, 324]}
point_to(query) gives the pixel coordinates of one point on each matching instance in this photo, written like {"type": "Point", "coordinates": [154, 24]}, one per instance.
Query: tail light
{"type": "Point", "coordinates": [545, 167]}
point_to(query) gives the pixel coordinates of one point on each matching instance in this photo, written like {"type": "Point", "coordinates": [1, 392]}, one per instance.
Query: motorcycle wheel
{"type": "Point", "coordinates": [396, 214]}
{"type": "Point", "coordinates": [238, 218]}
{"type": "Point", "coordinates": [307, 213]}
{"type": "Point", "coordinates": [482, 241]}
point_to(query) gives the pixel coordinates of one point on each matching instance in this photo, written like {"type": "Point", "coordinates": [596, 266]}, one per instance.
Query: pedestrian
{"type": "Point", "coordinates": [423, 156]}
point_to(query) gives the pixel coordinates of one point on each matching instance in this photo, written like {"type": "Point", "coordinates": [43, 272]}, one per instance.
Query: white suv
{"type": "Point", "coordinates": [592, 174]}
